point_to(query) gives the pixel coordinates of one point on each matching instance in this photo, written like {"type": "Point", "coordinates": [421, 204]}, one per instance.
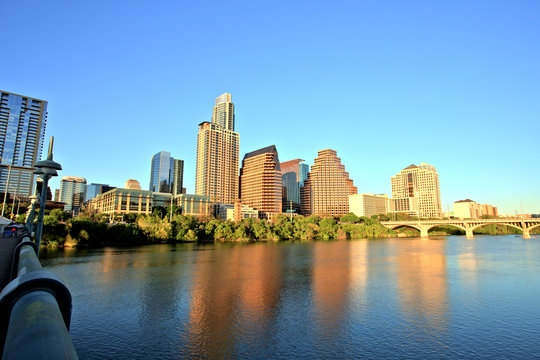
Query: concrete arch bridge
{"type": "Point", "coordinates": [467, 225]}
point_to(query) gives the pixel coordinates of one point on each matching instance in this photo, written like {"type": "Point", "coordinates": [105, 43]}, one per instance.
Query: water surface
{"type": "Point", "coordinates": [446, 297]}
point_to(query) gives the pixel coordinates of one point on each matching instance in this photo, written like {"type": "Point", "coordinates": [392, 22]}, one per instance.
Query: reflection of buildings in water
{"type": "Point", "coordinates": [330, 287]}
{"type": "Point", "coordinates": [422, 283]}
{"type": "Point", "coordinates": [234, 294]}
{"type": "Point", "coordinates": [468, 264]}
{"type": "Point", "coordinates": [358, 265]}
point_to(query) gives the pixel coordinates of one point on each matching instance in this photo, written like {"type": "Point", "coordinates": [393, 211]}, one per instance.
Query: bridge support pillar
{"type": "Point", "coordinates": [424, 232]}
{"type": "Point", "coordinates": [469, 233]}
{"type": "Point", "coordinates": [526, 234]}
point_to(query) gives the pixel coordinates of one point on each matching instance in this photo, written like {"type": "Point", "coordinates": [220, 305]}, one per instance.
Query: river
{"type": "Point", "coordinates": [446, 297]}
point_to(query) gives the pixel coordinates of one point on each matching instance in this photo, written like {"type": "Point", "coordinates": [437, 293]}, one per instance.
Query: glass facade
{"type": "Point", "coordinates": [166, 174]}
{"type": "Point", "coordinates": [72, 193]}
{"type": "Point", "coordinates": [22, 131]}
{"type": "Point", "coordinates": [94, 190]}
{"type": "Point", "coordinates": [294, 174]}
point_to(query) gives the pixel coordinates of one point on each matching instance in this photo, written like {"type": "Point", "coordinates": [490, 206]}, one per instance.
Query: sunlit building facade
{"type": "Point", "coordinates": [22, 131]}
{"type": "Point", "coordinates": [72, 193]}
{"type": "Point", "coordinates": [218, 146]}
{"type": "Point", "coordinates": [327, 187]}
{"type": "Point", "coordinates": [469, 209]}
{"type": "Point", "coordinates": [137, 201]}
{"type": "Point", "coordinates": [166, 173]}
{"type": "Point", "coordinates": [260, 180]}
{"type": "Point", "coordinates": [294, 174]}
{"type": "Point", "coordinates": [421, 183]}
{"type": "Point", "coordinates": [369, 204]}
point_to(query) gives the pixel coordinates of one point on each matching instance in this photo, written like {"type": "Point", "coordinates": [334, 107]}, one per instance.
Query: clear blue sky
{"type": "Point", "coordinates": [455, 84]}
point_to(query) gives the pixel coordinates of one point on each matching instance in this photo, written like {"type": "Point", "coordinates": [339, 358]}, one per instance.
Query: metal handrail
{"type": "Point", "coordinates": [35, 310]}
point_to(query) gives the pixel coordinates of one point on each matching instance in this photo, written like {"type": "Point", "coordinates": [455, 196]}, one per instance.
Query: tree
{"type": "Point", "coordinates": [349, 218]}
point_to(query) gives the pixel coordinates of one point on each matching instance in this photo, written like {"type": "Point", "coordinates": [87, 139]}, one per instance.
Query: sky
{"type": "Point", "coordinates": [455, 84]}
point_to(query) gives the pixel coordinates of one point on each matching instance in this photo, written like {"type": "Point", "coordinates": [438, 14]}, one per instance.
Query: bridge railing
{"type": "Point", "coordinates": [35, 310]}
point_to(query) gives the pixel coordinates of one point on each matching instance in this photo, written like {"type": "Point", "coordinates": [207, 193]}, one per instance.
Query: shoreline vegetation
{"type": "Point", "coordinates": [60, 230]}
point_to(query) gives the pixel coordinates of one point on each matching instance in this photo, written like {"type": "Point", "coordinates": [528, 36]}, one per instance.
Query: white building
{"type": "Point", "coordinates": [369, 204]}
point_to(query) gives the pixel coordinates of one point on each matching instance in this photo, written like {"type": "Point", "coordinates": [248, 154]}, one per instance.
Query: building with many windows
{"type": "Point", "coordinates": [137, 201]}
{"type": "Point", "coordinates": [468, 209]}
{"type": "Point", "coordinates": [94, 190]}
{"type": "Point", "coordinates": [218, 146]}
{"type": "Point", "coordinates": [294, 174]}
{"type": "Point", "coordinates": [369, 204]}
{"type": "Point", "coordinates": [260, 180]}
{"type": "Point", "coordinates": [166, 173]}
{"type": "Point", "coordinates": [72, 193]}
{"type": "Point", "coordinates": [22, 131]}
{"type": "Point", "coordinates": [421, 183]}
{"type": "Point", "coordinates": [327, 187]}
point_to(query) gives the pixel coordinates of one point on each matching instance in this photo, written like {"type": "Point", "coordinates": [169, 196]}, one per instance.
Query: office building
{"type": "Point", "coordinates": [218, 147]}
{"type": "Point", "coordinates": [369, 204]}
{"type": "Point", "coordinates": [234, 212]}
{"type": "Point", "coordinates": [137, 201]}
{"type": "Point", "coordinates": [421, 183]}
{"type": "Point", "coordinates": [72, 193]}
{"type": "Point", "coordinates": [22, 131]}
{"type": "Point", "coordinates": [294, 174]}
{"type": "Point", "coordinates": [327, 187]}
{"type": "Point", "coordinates": [469, 209]}
{"type": "Point", "coordinates": [94, 190]}
{"type": "Point", "coordinates": [166, 173]}
{"type": "Point", "coordinates": [260, 180]}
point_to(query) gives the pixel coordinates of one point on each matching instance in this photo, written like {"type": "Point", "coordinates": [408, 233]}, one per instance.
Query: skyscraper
{"type": "Point", "coordinates": [218, 147]}
{"type": "Point", "coordinates": [421, 184]}
{"type": "Point", "coordinates": [327, 187]}
{"type": "Point", "coordinates": [294, 174]}
{"type": "Point", "coordinates": [166, 173]}
{"type": "Point", "coordinates": [260, 180]}
{"type": "Point", "coordinates": [72, 193]}
{"type": "Point", "coordinates": [22, 131]}
{"type": "Point", "coordinates": [223, 112]}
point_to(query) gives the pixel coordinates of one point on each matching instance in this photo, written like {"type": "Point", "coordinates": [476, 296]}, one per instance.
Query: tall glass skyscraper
{"type": "Point", "coordinates": [72, 193]}
{"type": "Point", "coordinates": [166, 174]}
{"type": "Point", "coordinates": [22, 132]}
{"type": "Point", "coordinates": [218, 147]}
{"type": "Point", "coordinates": [294, 174]}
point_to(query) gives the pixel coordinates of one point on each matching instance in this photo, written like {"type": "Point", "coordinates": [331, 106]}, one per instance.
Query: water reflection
{"type": "Point", "coordinates": [404, 298]}
{"type": "Point", "coordinates": [422, 283]}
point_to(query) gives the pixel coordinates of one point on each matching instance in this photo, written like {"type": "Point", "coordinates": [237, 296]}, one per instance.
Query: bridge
{"type": "Point", "coordinates": [524, 225]}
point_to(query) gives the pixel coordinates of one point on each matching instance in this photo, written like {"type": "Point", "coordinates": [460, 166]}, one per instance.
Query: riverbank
{"type": "Point", "coordinates": [151, 229]}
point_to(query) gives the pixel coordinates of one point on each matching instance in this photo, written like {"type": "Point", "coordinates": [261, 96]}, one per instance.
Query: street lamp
{"type": "Point", "coordinates": [46, 169]}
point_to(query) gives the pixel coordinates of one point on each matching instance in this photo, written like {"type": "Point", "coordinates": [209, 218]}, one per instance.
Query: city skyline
{"type": "Point", "coordinates": [454, 86]}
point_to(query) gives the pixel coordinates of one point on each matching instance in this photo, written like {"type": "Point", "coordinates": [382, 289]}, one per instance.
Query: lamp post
{"type": "Point", "coordinates": [46, 169]}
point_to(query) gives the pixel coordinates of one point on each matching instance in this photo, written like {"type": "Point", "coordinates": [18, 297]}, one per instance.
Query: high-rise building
{"type": "Point", "coordinates": [260, 180]}
{"type": "Point", "coordinates": [422, 184]}
{"type": "Point", "coordinates": [166, 174]}
{"type": "Point", "coordinates": [327, 187]}
{"type": "Point", "coordinates": [369, 204]}
{"type": "Point", "coordinates": [223, 112]}
{"type": "Point", "coordinates": [94, 190]}
{"type": "Point", "coordinates": [72, 193]}
{"type": "Point", "coordinates": [294, 174]}
{"type": "Point", "coordinates": [132, 184]}
{"type": "Point", "coordinates": [218, 147]}
{"type": "Point", "coordinates": [22, 132]}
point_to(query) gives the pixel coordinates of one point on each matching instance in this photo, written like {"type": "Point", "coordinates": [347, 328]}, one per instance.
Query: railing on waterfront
{"type": "Point", "coordinates": [35, 309]}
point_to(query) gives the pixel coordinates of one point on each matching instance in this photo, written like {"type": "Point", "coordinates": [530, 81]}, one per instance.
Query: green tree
{"type": "Point", "coordinates": [349, 218]}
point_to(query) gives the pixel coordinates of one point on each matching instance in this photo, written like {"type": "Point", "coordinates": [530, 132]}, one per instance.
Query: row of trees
{"type": "Point", "coordinates": [164, 226]}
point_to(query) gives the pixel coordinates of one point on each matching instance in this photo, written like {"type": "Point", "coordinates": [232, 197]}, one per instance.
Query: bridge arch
{"type": "Point", "coordinates": [393, 227]}
{"type": "Point", "coordinates": [498, 223]}
{"type": "Point", "coordinates": [534, 227]}
{"type": "Point", "coordinates": [454, 225]}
